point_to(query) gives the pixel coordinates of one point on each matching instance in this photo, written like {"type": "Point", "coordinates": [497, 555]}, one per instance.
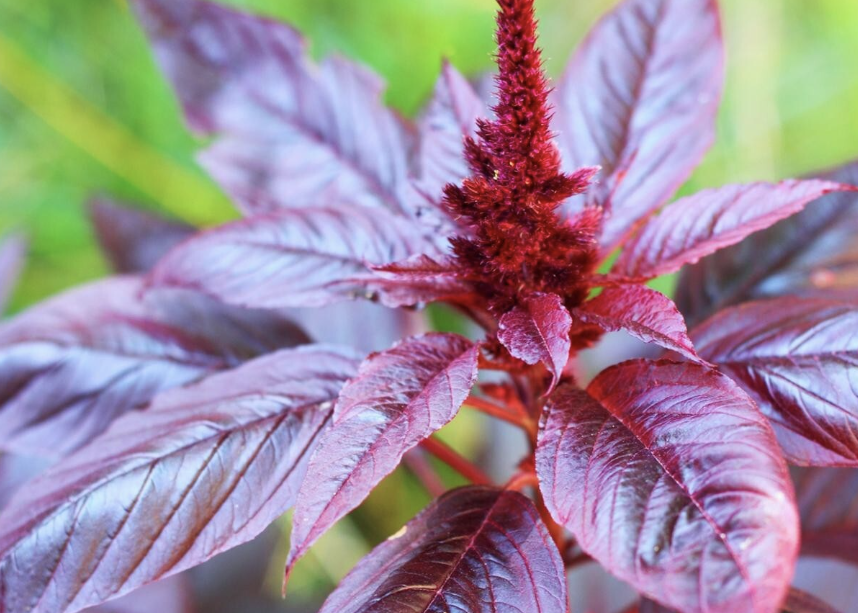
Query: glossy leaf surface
{"type": "Point", "coordinates": [639, 99]}
{"type": "Point", "coordinates": [399, 398]}
{"type": "Point", "coordinates": [811, 252]}
{"type": "Point", "coordinates": [642, 312]}
{"type": "Point", "coordinates": [205, 468]}
{"type": "Point", "coordinates": [699, 225]}
{"type": "Point", "coordinates": [294, 258]}
{"type": "Point", "coordinates": [450, 116]}
{"type": "Point", "coordinates": [134, 240]}
{"type": "Point", "coordinates": [538, 331]}
{"type": "Point", "coordinates": [668, 475]}
{"type": "Point", "coordinates": [288, 133]}
{"type": "Point", "coordinates": [475, 549]}
{"type": "Point", "coordinates": [76, 362]}
{"type": "Point", "coordinates": [797, 358]}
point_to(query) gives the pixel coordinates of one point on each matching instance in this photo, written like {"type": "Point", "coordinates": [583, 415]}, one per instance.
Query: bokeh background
{"type": "Point", "coordinates": [84, 111]}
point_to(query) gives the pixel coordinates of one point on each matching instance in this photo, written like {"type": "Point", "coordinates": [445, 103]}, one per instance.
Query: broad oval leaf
{"type": "Point", "coordinates": [538, 331]}
{"type": "Point", "coordinates": [475, 549]}
{"type": "Point", "coordinates": [205, 468]}
{"type": "Point", "coordinates": [76, 362]}
{"type": "Point", "coordinates": [295, 258]}
{"type": "Point", "coordinates": [642, 312]}
{"type": "Point", "coordinates": [132, 239]}
{"type": "Point", "coordinates": [451, 116]}
{"type": "Point", "coordinates": [669, 476]}
{"type": "Point", "coordinates": [13, 250]}
{"type": "Point", "coordinates": [829, 517]}
{"type": "Point", "coordinates": [639, 99]}
{"type": "Point", "coordinates": [399, 398]}
{"type": "Point", "coordinates": [811, 252]}
{"type": "Point", "coordinates": [797, 358]}
{"type": "Point", "coordinates": [712, 219]}
{"type": "Point", "coordinates": [288, 133]}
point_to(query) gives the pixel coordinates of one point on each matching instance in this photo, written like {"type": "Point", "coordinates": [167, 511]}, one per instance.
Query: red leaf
{"type": "Point", "coordinates": [811, 252]}
{"type": "Point", "coordinates": [668, 475]}
{"type": "Point", "coordinates": [299, 257]}
{"type": "Point", "coordinates": [475, 549]}
{"type": "Point", "coordinates": [699, 225]}
{"type": "Point", "coordinates": [829, 518]}
{"type": "Point", "coordinates": [417, 281]}
{"type": "Point", "coordinates": [204, 469]}
{"type": "Point", "coordinates": [450, 116]}
{"type": "Point", "coordinates": [134, 240]}
{"type": "Point", "coordinates": [796, 358]}
{"type": "Point", "coordinates": [288, 133]}
{"type": "Point", "coordinates": [639, 99]}
{"type": "Point", "coordinates": [399, 398]}
{"type": "Point", "coordinates": [802, 602]}
{"type": "Point", "coordinates": [642, 312]}
{"type": "Point", "coordinates": [76, 362]}
{"type": "Point", "coordinates": [538, 331]}
{"type": "Point", "coordinates": [13, 251]}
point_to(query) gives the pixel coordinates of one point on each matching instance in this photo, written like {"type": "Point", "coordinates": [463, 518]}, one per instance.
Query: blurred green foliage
{"type": "Point", "coordinates": [83, 109]}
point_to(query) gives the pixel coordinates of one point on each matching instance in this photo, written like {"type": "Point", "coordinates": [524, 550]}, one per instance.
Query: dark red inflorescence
{"type": "Point", "coordinates": [513, 242]}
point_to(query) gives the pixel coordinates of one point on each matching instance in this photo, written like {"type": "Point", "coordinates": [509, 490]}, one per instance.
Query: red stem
{"type": "Point", "coordinates": [495, 410]}
{"type": "Point", "coordinates": [455, 461]}
{"type": "Point", "coordinates": [419, 465]}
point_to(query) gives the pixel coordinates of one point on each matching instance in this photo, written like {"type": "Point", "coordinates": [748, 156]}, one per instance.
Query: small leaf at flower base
{"type": "Point", "coordinates": [538, 331]}
{"type": "Point", "coordinates": [132, 239]}
{"type": "Point", "coordinates": [639, 99]}
{"type": "Point", "coordinates": [399, 398]}
{"type": "Point", "coordinates": [451, 115]}
{"type": "Point", "coordinates": [642, 312]}
{"type": "Point", "coordinates": [76, 362]}
{"type": "Point", "coordinates": [294, 258]}
{"type": "Point", "coordinates": [475, 549]}
{"type": "Point", "coordinates": [668, 475]}
{"type": "Point", "coordinates": [205, 468]}
{"type": "Point", "coordinates": [699, 225]}
{"type": "Point", "coordinates": [797, 358]}
{"type": "Point", "coordinates": [811, 252]}
{"type": "Point", "coordinates": [829, 518]}
{"type": "Point", "coordinates": [417, 281]}
{"type": "Point", "coordinates": [13, 250]}
{"type": "Point", "coordinates": [287, 133]}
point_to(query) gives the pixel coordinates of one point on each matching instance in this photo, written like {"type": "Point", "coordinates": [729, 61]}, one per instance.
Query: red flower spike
{"type": "Point", "coordinates": [515, 244]}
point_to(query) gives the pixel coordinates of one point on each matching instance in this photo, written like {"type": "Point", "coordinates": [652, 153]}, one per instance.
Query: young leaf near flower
{"type": "Point", "coordinates": [670, 473]}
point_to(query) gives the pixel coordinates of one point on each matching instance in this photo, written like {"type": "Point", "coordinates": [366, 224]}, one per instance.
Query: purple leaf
{"type": "Point", "coordinates": [829, 518]}
{"type": "Point", "coordinates": [287, 133]}
{"type": "Point", "coordinates": [450, 116]}
{"type": "Point", "coordinates": [668, 475]}
{"type": "Point", "coordinates": [204, 469]}
{"type": "Point", "coordinates": [797, 358]}
{"type": "Point", "coordinates": [538, 331]}
{"type": "Point", "coordinates": [76, 362]}
{"type": "Point", "coordinates": [13, 251]}
{"type": "Point", "coordinates": [15, 471]}
{"type": "Point", "coordinates": [699, 225]}
{"type": "Point", "coordinates": [294, 258]}
{"type": "Point", "coordinates": [798, 601]}
{"type": "Point", "coordinates": [811, 252]}
{"type": "Point", "coordinates": [639, 99]}
{"type": "Point", "coordinates": [475, 549]}
{"type": "Point", "coordinates": [642, 312]}
{"type": "Point", "coordinates": [399, 398]}
{"type": "Point", "coordinates": [417, 281]}
{"type": "Point", "coordinates": [134, 240]}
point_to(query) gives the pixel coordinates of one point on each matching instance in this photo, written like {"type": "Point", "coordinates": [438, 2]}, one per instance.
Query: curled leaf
{"type": "Point", "coordinates": [475, 549]}
{"type": "Point", "coordinates": [668, 475]}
